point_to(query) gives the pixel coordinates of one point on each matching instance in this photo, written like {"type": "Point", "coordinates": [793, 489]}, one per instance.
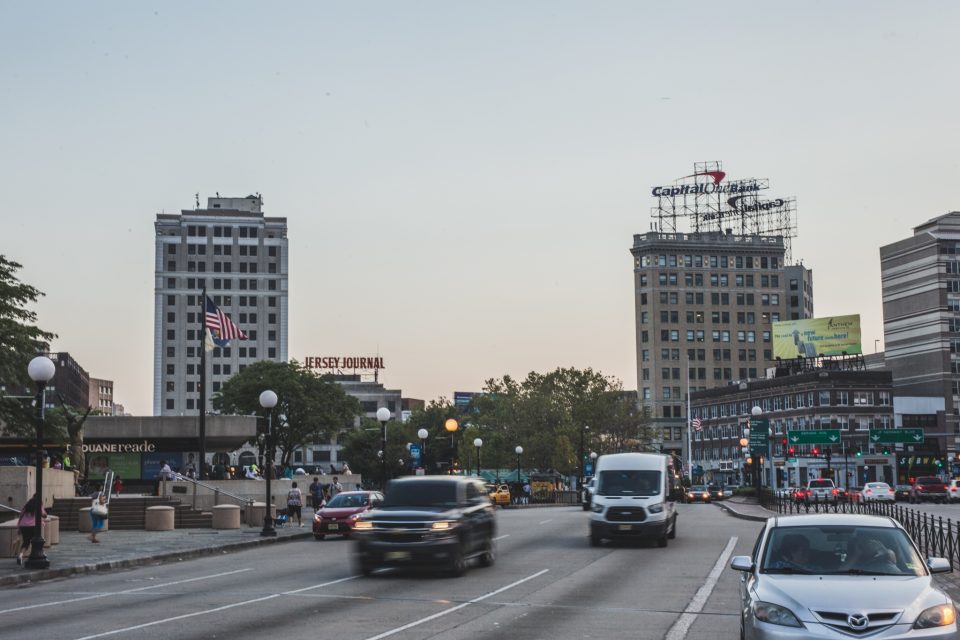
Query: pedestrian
{"type": "Point", "coordinates": [334, 488]}
{"type": "Point", "coordinates": [316, 493]}
{"type": "Point", "coordinates": [526, 493]}
{"type": "Point", "coordinates": [117, 485]}
{"type": "Point", "coordinates": [295, 504]}
{"type": "Point", "coordinates": [189, 467]}
{"type": "Point", "coordinates": [26, 523]}
{"type": "Point", "coordinates": [98, 515]}
{"type": "Point", "coordinates": [346, 469]}
{"type": "Point", "coordinates": [56, 463]}
{"type": "Point", "coordinates": [288, 472]}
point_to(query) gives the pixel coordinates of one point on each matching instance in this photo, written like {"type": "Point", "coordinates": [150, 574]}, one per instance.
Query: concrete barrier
{"type": "Point", "coordinates": [51, 532]}
{"type": "Point", "coordinates": [159, 518]}
{"type": "Point", "coordinates": [83, 522]}
{"type": "Point", "coordinates": [256, 512]}
{"type": "Point", "coordinates": [226, 516]}
{"type": "Point", "coordinates": [9, 539]}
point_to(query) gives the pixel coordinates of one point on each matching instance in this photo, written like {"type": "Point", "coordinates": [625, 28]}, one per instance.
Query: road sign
{"type": "Point", "coordinates": [817, 436]}
{"type": "Point", "coordinates": [588, 469]}
{"type": "Point", "coordinates": [886, 436]}
{"type": "Point", "coordinates": [760, 436]}
{"type": "Point", "coordinates": [415, 452]}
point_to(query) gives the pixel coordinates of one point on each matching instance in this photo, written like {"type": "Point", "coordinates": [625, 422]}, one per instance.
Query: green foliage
{"type": "Point", "coordinates": [360, 448]}
{"type": "Point", "coordinates": [20, 341]}
{"type": "Point", "coordinates": [310, 408]}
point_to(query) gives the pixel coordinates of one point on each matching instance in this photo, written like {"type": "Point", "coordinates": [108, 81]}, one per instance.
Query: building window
{"type": "Point", "coordinates": [170, 405]}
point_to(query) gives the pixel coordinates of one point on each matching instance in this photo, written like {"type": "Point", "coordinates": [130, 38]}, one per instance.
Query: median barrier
{"type": "Point", "coordinates": [159, 518]}
{"type": "Point", "coordinates": [9, 539]}
{"type": "Point", "coordinates": [226, 516]}
{"type": "Point", "coordinates": [51, 532]}
{"type": "Point", "coordinates": [256, 512]}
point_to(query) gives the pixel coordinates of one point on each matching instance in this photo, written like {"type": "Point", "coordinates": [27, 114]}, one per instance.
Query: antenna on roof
{"type": "Point", "coordinates": [197, 196]}
{"type": "Point", "coordinates": [218, 193]}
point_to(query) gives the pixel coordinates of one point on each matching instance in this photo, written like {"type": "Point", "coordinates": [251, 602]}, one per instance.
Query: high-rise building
{"type": "Point", "coordinates": [101, 396]}
{"type": "Point", "coordinates": [799, 287]}
{"type": "Point", "coordinates": [241, 257]}
{"type": "Point", "coordinates": [705, 303]}
{"type": "Point", "coordinates": [921, 322]}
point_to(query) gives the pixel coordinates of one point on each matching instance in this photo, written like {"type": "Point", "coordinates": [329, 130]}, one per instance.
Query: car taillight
{"type": "Point", "coordinates": [868, 491]}
{"type": "Point", "coordinates": [808, 492]}
{"type": "Point", "coordinates": [889, 490]}
{"type": "Point", "coordinates": [919, 487]}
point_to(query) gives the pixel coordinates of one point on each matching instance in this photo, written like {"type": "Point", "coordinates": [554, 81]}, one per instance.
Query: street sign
{"type": "Point", "coordinates": [415, 452]}
{"type": "Point", "coordinates": [588, 469]}
{"type": "Point", "coordinates": [817, 436]}
{"type": "Point", "coordinates": [887, 436]}
{"type": "Point", "coordinates": [759, 436]}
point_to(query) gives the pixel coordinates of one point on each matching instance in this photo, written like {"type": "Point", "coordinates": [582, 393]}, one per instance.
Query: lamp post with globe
{"type": "Point", "coordinates": [477, 442]}
{"type": "Point", "coordinates": [451, 425]}
{"type": "Point", "coordinates": [268, 400]}
{"type": "Point", "coordinates": [422, 434]}
{"type": "Point", "coordinates": [383, 417]}
{"type": "Point", "coordinates": [41, 370]}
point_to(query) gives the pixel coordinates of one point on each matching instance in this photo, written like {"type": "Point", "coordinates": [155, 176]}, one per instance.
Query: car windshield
{"type": "Point", "coordinates": [629, 483]}
{"type": "Point", "coordinates": [698, 487]}
{"type": "Point", "coordinates": [841, 550]}
{"type": "Point", "coordinates": [878, 485]}
{"type": "Point", "coordinates": [819, 484]}
{"type": "Point", "coordinates": [421, 494]}
{"type": "Point", "coordinates": [348, 500]}
{"type": "Point", "coordinates": [929, 480]}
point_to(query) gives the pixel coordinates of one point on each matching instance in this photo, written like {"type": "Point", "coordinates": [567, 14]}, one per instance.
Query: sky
{"type": "Point", "coordinates": [461, 180]}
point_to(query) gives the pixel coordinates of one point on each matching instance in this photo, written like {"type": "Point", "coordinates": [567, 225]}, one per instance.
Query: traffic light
{"type": "Point", "coordinates": [828, 453]}
{"type": "Point", "coordinates": [886, 451]}
{"type": "Point", "coordinates": [792, 451]}
{"type": "Point", "coordinates": [815, 452]}
{"type": "Point", "coordinates": [858, 452]}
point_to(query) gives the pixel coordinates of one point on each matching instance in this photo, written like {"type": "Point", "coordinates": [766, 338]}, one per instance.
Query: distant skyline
{"type": "Point", "coordinates": [462, 182]}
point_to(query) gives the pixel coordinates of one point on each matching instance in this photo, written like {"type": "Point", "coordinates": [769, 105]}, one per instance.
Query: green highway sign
{"type": "Point", "coordinates": [817, 436]}
{"type": "Point", "coordinates": [759, 436]}
{"type": "Point", "coordinates": [896, 436]}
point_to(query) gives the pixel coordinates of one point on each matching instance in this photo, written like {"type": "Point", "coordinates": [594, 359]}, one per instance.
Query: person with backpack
{"type": "Point", "coordinates": [27, 522]}
{"type": "Point", "coordinates": [316, 493]}
{"type": "Point", "coordinates": [295, 504]}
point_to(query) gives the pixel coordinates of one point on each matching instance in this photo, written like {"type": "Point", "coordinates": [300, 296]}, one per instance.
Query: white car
{"type": "Point", "coordinates": [953, 491]}
{"type": "Point", "coordinates": [878, 492]}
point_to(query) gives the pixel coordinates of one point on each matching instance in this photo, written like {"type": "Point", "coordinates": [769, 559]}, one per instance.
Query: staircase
{"type": "Point", "coordinates": [129, 512]}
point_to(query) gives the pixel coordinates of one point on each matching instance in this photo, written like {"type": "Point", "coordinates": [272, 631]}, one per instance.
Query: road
{"type": "Point", "coordinates": [547, 583]}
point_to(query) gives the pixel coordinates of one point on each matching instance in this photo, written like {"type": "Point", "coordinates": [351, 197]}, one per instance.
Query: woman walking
{"type": "Point", "coordinates": [295, 504]}
{"type": "Point", "coordinates": [98, 516]}
{"type": "Point", "coordinates": [26, 523]}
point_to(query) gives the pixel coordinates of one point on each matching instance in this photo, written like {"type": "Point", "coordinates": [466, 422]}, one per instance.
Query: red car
{"type": "Point", "coordinates": [337, 517]}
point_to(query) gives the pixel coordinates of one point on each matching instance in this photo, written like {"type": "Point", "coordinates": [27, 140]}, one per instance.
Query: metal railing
{"type": "Point", "coordinates": [217, 491]}
{"type": "Point", "coordinates": [934, 535]}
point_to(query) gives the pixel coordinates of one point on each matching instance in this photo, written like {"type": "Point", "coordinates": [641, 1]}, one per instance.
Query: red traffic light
{"type": "Point", "coordinates": [792, 451]}
{"type": "Point", "coordinates": [815, 452]}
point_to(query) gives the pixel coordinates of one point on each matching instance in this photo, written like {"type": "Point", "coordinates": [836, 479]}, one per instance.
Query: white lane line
{"type": "Point", "coordinates": [439, 614]}
{"type": "Point", "coordinates": [215, 610]}
{"type": "Point", "coordinates": [546, 521]}
{"type": "Point", "coordinates": [506, 535]}
{"type": "Point", "coordinates": [680, 628]}
{"type": "Point", "coordinates": [125, 591]}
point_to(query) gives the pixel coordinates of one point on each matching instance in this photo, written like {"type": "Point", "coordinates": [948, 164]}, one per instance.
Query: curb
{"type": "Point", "coordinates": [743, 516]}
{"type": "Point", "coordinates": [49, 574]}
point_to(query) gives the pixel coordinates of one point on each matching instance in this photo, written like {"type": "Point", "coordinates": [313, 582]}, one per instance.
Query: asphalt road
{"type": "Point", "coordinates": [547, 583]}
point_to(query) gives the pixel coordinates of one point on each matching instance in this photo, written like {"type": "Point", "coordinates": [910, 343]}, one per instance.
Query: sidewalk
{"type": "Point", "coordinates": [120, 549]}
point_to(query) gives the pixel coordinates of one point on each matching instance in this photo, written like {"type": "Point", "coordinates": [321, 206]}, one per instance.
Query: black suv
{"type": "Point", "coordinates": [427, 520]}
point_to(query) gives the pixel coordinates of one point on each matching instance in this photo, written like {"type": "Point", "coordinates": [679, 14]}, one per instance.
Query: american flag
{"type": "Point", "coordinates": [220, 324]}
{"type": "Point", "coordinates": [695, 423]}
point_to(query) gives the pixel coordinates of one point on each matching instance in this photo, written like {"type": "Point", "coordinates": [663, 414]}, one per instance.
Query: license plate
{"type": "Point", "coordinates": [333, 527]}
{"type": "Point", "coordinates": [397, 555]}
{"type": "Point", "coordinates": [624, 527]}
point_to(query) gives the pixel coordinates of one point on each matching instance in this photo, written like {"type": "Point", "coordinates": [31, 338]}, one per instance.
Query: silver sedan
{"type": "Point", "coordinates": [841, 576]}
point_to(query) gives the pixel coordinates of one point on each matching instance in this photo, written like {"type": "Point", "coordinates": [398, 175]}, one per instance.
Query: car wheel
{"type": "Point", "coordinates": [365, 567]}
{"type": "Point", "coordinates": [488, 556]}
{"type": "Point", "coordinates": [458, 562]}
{"type": "Point", "coordinates": [586, 507]}
{"type": "Point", "coordinates": [673, 529]}
{"type": "Point", "coordinates": [595, 540]}
{"type": "Point", "coordinates": [319, 536]}
{"type": "Point", "coordinates": [662, 540]}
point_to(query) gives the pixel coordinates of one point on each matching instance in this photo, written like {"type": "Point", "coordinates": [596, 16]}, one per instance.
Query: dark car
{"type": "Point", "coordinates": [901, 492]}
{"type": "Point", "coordinates": [716, 492]}
{"type": "Point", "coordinates": [442, 521]}
{"type": "Point", "coordinates": [928, 488]}
{"type": "Point", "coordinates": [338, 516]}
{"type": "Point", "coordinates": [588, 493]}
{"type": "Point", "coordinates": [697, 493]}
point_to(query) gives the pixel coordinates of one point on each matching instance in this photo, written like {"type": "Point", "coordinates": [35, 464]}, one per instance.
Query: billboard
{"type": "Point", "coordinates": [814, 337]}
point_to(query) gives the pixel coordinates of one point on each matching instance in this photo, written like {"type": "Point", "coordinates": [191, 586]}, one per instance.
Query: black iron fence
{"type": "Point", "coordinates": [937, 537]}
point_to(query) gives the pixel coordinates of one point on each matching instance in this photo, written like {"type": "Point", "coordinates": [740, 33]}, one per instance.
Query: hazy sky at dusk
{"type": "Point", "coordinates": [462, 181]}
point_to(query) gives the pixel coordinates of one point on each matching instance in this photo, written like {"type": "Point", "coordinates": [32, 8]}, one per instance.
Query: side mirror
{"type": "Point", "coordinates": [741, 563]}
{"type": "Point", "coordinates": [939, 565]}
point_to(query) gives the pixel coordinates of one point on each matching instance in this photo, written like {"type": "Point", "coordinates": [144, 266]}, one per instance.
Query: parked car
{"type": "Point", "coordinates": [588, 493]}
{"type": "Point", "coordinates": [822, 490]}
{"type": "Point", "coordinates": [840, 576]}
{"type": "Point", "coordinates": [901, 492]}
{"type": "Point", "coordinates": [855, 494]}
{"type": "Point", "coordinates": [338, 516]}
{"type": "Point", "coordinates": [878, 492]}
{"type": "Point", "coordinates": [716, 492]}
{"type": "Point", "coordinates": [442, 521]}
{"type": "Point", "coordinates": [953, 491]}
{"type": "Point", "coordinates": [500, 495]}
{"type": "Point", "coordinates": [697, 493]}
{"type": "Point", "coordinates": [928, 488]}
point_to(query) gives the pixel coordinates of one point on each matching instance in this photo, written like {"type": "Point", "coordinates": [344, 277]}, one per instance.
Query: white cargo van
{"type": "Point", "coordinates": [634, 496]}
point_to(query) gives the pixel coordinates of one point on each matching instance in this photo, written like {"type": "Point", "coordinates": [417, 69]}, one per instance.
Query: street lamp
{"type": "Point", "coordinates": [268, 400]}
{"type": "Point", "coordinates": [519, 452]}
{"type": "Point", "coordinates": [422, 434]}
{"type": "Point", "coordinates": [593, 462]}
{"type": "Point", "coordinates": [41, 370]}
{"type": "Point", "coordinates": [756, 412]}
{"type": "Point", "coordinates": [451, 425]}
{"type": "Point", "coordinates": [383, 416]}
{"type": "Point", "coordinates": [477, 442]}
{"type": "Point", "coordinates": [580, 461]}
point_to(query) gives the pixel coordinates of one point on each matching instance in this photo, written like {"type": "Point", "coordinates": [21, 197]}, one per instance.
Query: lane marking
{"type": "Point", "coordinates": [214, 610]}
{"type": "Point", "coordinates": [439, 614]}
{"type": "Point", "coordinates": [680, 628]}
{"type": "Point", "coordinates": [124, 592]}
{"type": "Point", "coordinates": [546, 521]}
{"type": "Point", "coordinates": [506, 535]}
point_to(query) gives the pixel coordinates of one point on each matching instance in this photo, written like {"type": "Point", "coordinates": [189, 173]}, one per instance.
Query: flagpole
{"type": "Point", "coordinates": [203, 383]}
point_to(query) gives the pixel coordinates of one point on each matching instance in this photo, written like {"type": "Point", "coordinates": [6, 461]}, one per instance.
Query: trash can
{"type": "Point", "coordinates": [159, 518]}
{"type": "Point", "coordinates": [226, 516]}
{"type": "Point", "coordinates": [256, 511]}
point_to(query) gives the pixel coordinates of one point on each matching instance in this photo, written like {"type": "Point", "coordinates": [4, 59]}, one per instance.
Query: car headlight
{"type": "Point", "coordinates": [355, 516]}
{"type": "Point", "coordinates": [316, 517]}
{"type": "Point", "coordinates": [941, 615]}
{"type": "Point", "coordinates": [655, 508]}
{"type": "Point", "coordinates": [775, 614]}
{"type": "Point", "coordinates": [596, 508]}
{"type": "Point", "coordinates": [363, 525]}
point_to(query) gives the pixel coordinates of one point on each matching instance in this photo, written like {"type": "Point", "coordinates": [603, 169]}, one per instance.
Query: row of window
{"type": "Point", "coordinates": [671, 278]}
{"type": "Point", "coordinates": [200, 230]}
{"type": "Point", "coordinates": [219, 352]}
{"type": "Point", "coordinates": [698, 317]}
{"type": "Point", "coordinates": [243, 352]}
{"type": "Point", "coordinates": [716, 299]}
{"type": "Point", "coordinates": [712, 262]}
{"type": "Point", "coordinates": [803, 423]}
{"type": "Point", "coordinates": [786, 402]}
{"type": "Point", "coordinates": [698, 335]}
{"type": "Point", "coordinates": [222, 250]}
{"type": "Point", "coordinates": [222, 267]}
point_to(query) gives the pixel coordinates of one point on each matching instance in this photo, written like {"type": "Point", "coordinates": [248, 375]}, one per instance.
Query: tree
{"type": "Point", "coordinates": [20, 341]}
{"type": "Point", "coordinates": [310, 408]}
{"type": "Point", "coordinates": [74, 426]}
